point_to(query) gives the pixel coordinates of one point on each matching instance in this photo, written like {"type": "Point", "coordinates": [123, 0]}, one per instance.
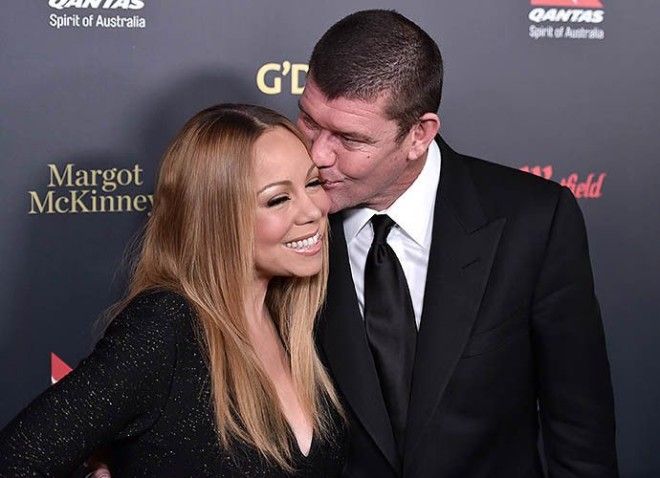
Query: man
{"type": "Point", "coordinates": [461, 320]}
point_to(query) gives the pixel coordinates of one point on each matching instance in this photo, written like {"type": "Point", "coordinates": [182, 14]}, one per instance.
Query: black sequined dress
{"type": "Point", "coordinates": [144, 393]}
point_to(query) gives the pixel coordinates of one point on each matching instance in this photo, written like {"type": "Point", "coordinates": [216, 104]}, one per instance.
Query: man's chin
{"type": "Point", "coordinates": [341, 202]}
{"type": "Point", "coordinates": [336, 202]}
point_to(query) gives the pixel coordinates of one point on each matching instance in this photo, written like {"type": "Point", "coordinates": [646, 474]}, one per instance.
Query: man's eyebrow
{"type": "Point", "coordinates": [302, 110]}
{"type": "Point", "coordinates": [358, 137]}
{"type": "Point", "coordinates": [346, 134]}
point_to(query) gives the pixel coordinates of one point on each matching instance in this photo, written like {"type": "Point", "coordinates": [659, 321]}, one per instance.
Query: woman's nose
{"type": "Point", "coordinates": [310, 210]}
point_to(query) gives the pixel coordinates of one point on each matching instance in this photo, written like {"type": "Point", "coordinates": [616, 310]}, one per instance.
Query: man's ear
{"type": "Point", "coordinates": [422, 133]}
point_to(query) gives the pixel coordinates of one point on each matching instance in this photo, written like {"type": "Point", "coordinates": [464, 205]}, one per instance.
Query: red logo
{"type": "Point", "coordinates": [58, 368]}
{"type": "Point", "coordinates": [589, 187]}
{"type": "Point", "coordinates": [568, 3]}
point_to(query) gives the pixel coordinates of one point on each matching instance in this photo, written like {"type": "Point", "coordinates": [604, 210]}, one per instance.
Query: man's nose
{"type": "Point", "coordinates": [322, 152]}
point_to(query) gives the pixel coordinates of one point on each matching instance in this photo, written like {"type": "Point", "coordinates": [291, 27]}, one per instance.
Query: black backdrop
{"type": "Point", "coordinates": [567, 91]}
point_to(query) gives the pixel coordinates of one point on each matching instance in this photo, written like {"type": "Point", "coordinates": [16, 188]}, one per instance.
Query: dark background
{"type": "Point", "coordinates": [113, 97]}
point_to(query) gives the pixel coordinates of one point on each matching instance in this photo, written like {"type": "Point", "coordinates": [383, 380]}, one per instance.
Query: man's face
{"type": "Point", "coordinates": [354, 146]}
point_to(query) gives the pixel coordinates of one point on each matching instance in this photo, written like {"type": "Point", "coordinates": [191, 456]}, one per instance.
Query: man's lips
{"type": "Point", "coordinates": [327, 184]}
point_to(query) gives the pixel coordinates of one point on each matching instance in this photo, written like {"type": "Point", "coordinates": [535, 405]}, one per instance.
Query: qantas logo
{"type": "Point", "coordinates": [97, 4]}
{"type": "Point", "coordinates": [566, 19]}
{"type": "Point", "coordinates": [567, 3]}
{"type": "Point", "coordinates": [58, 369]}
{"type": "Point", "coordinates": [567, 11]}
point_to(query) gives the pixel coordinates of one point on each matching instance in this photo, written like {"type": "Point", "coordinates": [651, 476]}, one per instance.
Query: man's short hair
{"type": "Point", "coordinates": [373, 52]}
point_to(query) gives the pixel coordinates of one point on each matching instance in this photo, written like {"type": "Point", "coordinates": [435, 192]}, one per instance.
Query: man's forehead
{"type": "Point", "coordinates": [339, 111]}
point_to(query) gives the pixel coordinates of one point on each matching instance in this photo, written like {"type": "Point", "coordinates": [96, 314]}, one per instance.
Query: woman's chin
{"type": "Point", "coordinates": [306, 271]}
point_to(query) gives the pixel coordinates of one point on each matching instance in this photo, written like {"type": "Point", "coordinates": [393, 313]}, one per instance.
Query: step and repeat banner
{"type": "Point", "coordinates": [91, 91]}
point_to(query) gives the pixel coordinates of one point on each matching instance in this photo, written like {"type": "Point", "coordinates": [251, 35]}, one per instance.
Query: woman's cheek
{"type": "Point", "coordinates": [271, 227]}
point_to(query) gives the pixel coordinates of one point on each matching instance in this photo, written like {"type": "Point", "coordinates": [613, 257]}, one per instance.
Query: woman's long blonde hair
{"type": "Point", "coordinates": [199, 242]}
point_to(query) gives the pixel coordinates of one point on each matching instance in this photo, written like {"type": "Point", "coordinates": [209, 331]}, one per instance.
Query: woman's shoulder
{"type": "Point", "coordinates": [157, 302]}
{"type": "Point", "coordinates": [159, 311]}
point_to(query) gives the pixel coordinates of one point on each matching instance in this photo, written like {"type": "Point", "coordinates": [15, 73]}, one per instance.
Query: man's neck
{"type": "Point", "coordinates": [400, 186]}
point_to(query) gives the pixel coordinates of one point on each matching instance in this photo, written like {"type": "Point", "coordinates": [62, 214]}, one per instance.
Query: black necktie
{"type": "Point", "coordinates": [390, 324]}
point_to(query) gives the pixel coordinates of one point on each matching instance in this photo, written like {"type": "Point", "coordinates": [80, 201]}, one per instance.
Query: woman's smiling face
{"type": "Point", "coordinates": [292, 207]}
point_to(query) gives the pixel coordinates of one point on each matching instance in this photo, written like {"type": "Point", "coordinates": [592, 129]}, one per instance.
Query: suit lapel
{"type": "Point", "coordinates": [345, 345]}
{"type": "Point", "coordinates": [462, 252]}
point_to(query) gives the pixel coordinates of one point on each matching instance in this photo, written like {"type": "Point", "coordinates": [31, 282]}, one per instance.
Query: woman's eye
{"type": "Point", "coordinates": [314, 183]}
{"type": "Point", "coordinates": [277, 200]}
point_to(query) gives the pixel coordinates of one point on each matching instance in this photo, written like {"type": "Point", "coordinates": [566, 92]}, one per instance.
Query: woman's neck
{"type": "Point", "coordinates": [255, 303]}
{"type": "Point", "coordinates": [263, 332]}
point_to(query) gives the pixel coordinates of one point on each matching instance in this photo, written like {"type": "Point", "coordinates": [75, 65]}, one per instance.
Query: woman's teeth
{"type": "Point", "coordinates": [305, 243]}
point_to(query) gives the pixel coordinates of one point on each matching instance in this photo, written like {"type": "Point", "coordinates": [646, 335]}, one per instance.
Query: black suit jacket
{"type": "Point", "coordinates": [509, 321]}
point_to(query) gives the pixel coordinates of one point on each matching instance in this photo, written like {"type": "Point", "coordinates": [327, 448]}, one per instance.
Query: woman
{"type": "Point", "coordinates": [209, 368]}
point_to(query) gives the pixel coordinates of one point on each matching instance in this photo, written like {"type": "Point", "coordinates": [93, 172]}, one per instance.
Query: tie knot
{"type": "Point", "coordinates": [382, 224]}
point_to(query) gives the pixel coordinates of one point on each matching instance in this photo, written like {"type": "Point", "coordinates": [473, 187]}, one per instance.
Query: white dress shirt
{"type": "Point", "coordinates": [410, 238]}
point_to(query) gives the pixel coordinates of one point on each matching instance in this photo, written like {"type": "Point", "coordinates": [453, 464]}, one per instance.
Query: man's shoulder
{"type": "Point", "coordinates": [502, 187]}
{"type": "Point", "coordinates": [501, 177]}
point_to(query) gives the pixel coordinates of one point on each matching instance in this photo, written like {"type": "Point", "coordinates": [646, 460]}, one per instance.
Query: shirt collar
{"type": "Point", "coordinates": [419, 197]}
